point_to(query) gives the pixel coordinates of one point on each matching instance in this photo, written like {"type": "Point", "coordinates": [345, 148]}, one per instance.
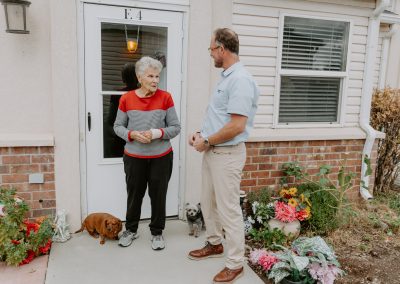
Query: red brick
{"type": "Point", "coordinates": [286, 151]}
{"type": "Point", "coordinates": [339, 148]}
{"type": "Point", "coordinates": [317, 143]}
{"type": "Point", "coordinates": [25, 169]}
{"type": "Point", "coordinates": [261, 159]}
{"type": "Point", "coordinates": [305, 150]}
{"type": "Point", "coordinates": [16, 160]}
{"type": "Point", "coordinates": [246, 175]}
{"type": "Point", "coordinates": [4, 169]}
{"type": "Point", "coordinates": [298, 144]}
{"type": "Point", "coordinates": [332, 156]}
{"type": "Point", "coordinates": [49, 177]}
{"type": "Point", "coordinates": [46, 150]}
{"type": "Point", "coordinates": [17, 186]}
{"type": "Point", "coordinates": [348, 155]}
{"type": "Point", "coordinates": [265, 181]}
{"type": "Point", "coordinates": [44, 195]}
{"type": "Point", "coordinates": [261, 174]}
{"type": "Point", "coordinates": [43, 212]}
{"type": "Point", "coordinates": [357, 148]}
{"type": "Point", "coordinates": [250, 167]}
{"type": "Point", "coordinates": [280, 144]}
{"type": "Point", "coordinates": [44, 159]}
{"type": "Point", "coordinates": [267, 166]}
{"type": "Point", "coordinates": [4, 150]}
{"type": "Point", "coordinates": [49, 203]}
{"type": "Point", "coordinates": [279, 159]}
{"type": "Point", "coordinates": [252, 152]}
{"type": "Point", "coordinates": [268, 151]}
{"type": "Point", "coordinates": [48, 186]}
{"type": "Point", "coordinates": [24, 150]}
{"type": "Point", "coordinates": [46, 168]}
{"type": "Point", "coordinates": [276, 174]}
{"type": "Point", "coordinates": [33, 186]}
{"type": "Point", "coordinates": [333, 142]}
{"type": "Point", "coordinates": [25, 195]}
{"type": "Point", "coordinates": [16, 178]}
{"type": "Point", "coordinates": [248, 182]}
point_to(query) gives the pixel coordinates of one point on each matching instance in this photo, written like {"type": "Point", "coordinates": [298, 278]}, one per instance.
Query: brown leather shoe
{"type": "Point", "coordinates": [208, 251]}
{"type": "Point", "coordinates": [228, 276]}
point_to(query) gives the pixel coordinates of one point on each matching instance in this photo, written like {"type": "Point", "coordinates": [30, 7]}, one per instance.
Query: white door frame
{"type": "Point", "coordinates": [174, 5]}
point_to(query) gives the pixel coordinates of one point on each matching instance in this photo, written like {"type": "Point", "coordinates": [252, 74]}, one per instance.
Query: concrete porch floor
{"type": "Point", "coordinates": [83, 260]}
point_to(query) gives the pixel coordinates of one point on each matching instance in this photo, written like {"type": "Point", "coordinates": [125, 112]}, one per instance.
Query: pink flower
{"type": "Point", "coordinates": [284, 212]}
{"type": "Point", "coordinates": [267, 261]}
{"type": "Point", "coordinates": [256, 254]}
{"type": "Point", "coordinates": [325, 274]}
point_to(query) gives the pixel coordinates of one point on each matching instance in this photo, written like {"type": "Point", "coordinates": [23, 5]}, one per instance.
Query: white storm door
{"type": "Point", "coordinates": [106, 31]}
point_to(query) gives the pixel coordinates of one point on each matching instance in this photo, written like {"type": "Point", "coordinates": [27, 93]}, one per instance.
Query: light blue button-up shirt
{"type": "Point", "coordinates": [236, 93]}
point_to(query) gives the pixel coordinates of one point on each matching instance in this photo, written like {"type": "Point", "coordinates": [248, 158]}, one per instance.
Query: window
{"type": "Point", "coordinates": [313, 68]}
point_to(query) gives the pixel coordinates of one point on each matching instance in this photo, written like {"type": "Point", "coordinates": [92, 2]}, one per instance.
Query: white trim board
{"type": "Point", "coordinates": [26, 140]}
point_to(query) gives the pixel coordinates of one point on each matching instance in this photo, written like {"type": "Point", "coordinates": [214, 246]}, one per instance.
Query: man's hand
{"type": "Point", "coordinates": [193, 137]}
{"type": "Point", "coordinates": [138, 136]}
{"type": "Point", "coordinates": [199, 145]}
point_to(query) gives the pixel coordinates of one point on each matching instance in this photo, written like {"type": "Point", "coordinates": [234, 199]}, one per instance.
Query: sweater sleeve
{"type": "Point", "coordinates": [121, 122]}
{"type": "Point", "coordinates": [173, 126]}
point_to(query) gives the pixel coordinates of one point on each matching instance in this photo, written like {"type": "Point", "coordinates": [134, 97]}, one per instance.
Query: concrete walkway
{"type": "Point", "coordinates": [82, 260]}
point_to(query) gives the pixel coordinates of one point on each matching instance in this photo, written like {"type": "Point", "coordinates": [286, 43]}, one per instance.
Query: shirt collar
{"type": "Point", "coordinates": [232, 68]}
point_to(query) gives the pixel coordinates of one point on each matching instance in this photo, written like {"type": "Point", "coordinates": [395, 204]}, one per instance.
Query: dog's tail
{"type": "Point", "coordinates": [81, 229]}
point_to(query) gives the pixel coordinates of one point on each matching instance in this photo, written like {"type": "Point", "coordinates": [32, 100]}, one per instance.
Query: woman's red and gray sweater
{"type": "Point", "coordinates": [141, 114]}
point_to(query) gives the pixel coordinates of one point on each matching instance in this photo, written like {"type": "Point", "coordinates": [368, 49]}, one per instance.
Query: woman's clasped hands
{"type": "Point", "coordinates": [142, 136]}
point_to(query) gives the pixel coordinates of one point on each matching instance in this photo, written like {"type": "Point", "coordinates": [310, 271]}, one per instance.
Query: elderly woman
{"type": "Point", "coordinates": [147, 120]}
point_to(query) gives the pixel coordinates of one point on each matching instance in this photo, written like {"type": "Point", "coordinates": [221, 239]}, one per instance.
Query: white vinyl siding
{"type": "Point", "coordinates": [257, 24]}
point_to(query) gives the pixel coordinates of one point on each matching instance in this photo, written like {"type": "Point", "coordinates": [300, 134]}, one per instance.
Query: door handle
{"type": "Point", "coordinates": [89, 118]}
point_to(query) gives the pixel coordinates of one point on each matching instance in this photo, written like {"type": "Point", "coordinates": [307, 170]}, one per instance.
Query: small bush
{"type": "Point", "coordinates": [324, 209]}
{"type": "Point", "coordinates": [262, 196]}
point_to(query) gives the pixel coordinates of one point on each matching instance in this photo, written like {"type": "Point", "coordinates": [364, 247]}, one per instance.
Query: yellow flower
{"type": "Point", "coordinates": [292, 191]}
{"type": "Point", "coordinates": [283, 192]}
{"type": "Point", "coordinates": [292, 202]}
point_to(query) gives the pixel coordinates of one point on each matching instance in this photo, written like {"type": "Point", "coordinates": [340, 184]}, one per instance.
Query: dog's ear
{"type": "Point", "coordinates": [108, 225]}
{"type": "Point", "coordinates": [199, 205]}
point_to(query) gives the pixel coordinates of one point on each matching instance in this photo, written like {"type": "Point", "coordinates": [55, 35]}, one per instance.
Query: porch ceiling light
{"type": "Point", "coordinates": [15, 11]}
{"type": "Point", "coordinates": [132, 43]}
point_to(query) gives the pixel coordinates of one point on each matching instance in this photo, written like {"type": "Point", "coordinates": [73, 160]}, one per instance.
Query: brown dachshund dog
{"type": "Point", "coordinates": [103, 224]}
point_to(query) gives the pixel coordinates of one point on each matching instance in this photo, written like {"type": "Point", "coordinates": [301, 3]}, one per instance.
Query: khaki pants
{"type": "Point", "coordinates": [220, 200]}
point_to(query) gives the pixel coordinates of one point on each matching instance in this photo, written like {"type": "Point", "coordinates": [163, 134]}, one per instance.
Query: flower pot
{"type": "Point", "coordinates": [287, 281]}
{"type": "Point", "coordinates": [291, 229]}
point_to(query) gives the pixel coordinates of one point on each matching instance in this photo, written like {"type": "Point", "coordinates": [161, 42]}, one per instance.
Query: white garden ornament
{"type": "Point", "coordinates": [61, 233]}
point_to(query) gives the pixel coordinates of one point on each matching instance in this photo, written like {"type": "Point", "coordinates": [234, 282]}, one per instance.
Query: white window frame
{"type": "Point", "coordinates": [312, 73]}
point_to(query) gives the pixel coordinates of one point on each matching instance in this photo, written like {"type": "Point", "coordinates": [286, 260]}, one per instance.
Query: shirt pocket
{"type": "Point", "coordinates": [221, 99]}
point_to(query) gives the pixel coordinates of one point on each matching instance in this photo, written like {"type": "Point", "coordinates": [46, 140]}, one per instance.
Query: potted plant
{"type": "Point", "coordinates": [310, 260]}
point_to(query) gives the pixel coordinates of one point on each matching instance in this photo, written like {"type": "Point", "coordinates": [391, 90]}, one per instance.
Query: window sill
{"type": "Point", "coordinates": [26, 139]}
{"type": "Point", "coordinates": [259, 135]}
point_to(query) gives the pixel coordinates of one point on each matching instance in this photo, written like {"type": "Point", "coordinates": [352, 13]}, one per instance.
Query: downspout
{"type": "Point", "coordinates": [372, 41]}
{"type": "Point", "coordinates": [385, 52]}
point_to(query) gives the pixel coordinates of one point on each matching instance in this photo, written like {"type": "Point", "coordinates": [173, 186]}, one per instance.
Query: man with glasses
{"type": "Point", "coordinates": [226, 127]}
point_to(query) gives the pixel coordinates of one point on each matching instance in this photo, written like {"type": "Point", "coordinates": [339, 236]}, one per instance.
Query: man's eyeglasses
{"type": "Point", "coordinates": [213, 48]}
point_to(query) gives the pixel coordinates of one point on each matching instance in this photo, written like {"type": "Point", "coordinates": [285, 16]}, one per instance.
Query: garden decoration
{"type": "Point", "coordinates": [61, 232]}
{"type": "Point", "coordinates": [310, 260]}
{"type": "Point", "coordinates": [21, 240]}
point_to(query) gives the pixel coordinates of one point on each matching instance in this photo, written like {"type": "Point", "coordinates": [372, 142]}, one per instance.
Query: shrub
{"type": "Point", "coordinates": [385, 113]}
{"type": "Point", "coordinates": [323, 218]}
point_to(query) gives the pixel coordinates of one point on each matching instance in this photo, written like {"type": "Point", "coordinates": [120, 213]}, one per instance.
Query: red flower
{"type": "Point", "coordinates": [30, 227]}
{"type": "Point", "coordinates": [45, 249]}
{"type": "Point", "coordinates": [302, 215]}
{"type": "Point", "coordinates": [29, 257]}
{"type": "Point", "coordinates": [15, 242]}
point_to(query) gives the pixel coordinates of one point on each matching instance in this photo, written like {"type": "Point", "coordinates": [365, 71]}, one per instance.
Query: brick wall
{"type": "Point", "coordinates": [16, 163]}
{"type": "Point", "coordinates": [265, 159]}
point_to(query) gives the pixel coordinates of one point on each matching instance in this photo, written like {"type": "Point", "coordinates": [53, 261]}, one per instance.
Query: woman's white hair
{"type": "Point", "coordinates": [145, 63]}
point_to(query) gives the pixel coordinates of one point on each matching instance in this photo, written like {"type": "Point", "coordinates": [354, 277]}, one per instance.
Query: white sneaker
{"type": "Point", "coordinates": [157, 242]}
{"type": "Point", "coordinates": [127, 238]}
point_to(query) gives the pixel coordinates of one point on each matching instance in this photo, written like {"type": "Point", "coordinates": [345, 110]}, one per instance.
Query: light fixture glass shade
{"type": "Point", "coordinates": [131, 45]}
{"type": "Point", "coordinates": [15, 12]}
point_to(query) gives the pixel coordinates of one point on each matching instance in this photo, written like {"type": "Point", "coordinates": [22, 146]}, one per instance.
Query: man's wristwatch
{"type": "Point", "coordinates": [206, 142]}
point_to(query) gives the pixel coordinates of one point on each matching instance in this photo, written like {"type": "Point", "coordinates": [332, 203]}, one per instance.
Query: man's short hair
{"type": "Point", "coordinates": [228, 39]}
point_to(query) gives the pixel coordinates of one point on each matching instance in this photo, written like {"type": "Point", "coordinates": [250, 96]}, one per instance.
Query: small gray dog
{"type": "Point", "coordinates": [194, 218]}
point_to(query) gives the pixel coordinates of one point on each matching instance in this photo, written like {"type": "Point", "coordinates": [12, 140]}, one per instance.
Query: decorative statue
{"type": "Point", "coordinates": [61, 233]}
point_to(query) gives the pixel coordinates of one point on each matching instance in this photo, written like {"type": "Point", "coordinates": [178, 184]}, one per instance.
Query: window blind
{"type": "Point", "coordinates": [308, 99]}
{"type": "Point", "coordinates": [313, 44]}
